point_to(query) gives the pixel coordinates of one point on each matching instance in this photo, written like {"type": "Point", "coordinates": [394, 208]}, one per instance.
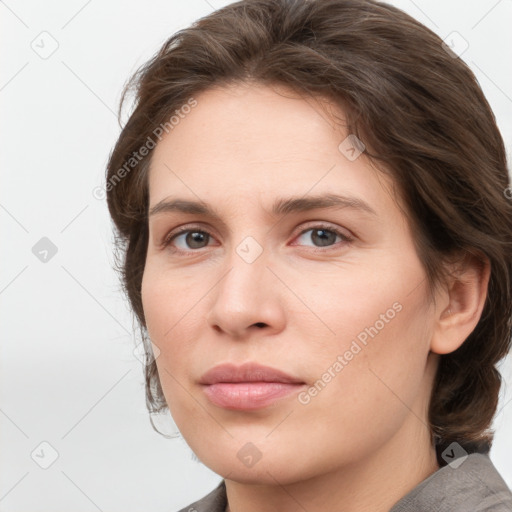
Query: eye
{"type": "Point", "coordinates": [190, 240]}
{"type": "Point", "coordinates": [187, 239]}
{"type": "Point", "coordinates": [323, 236]}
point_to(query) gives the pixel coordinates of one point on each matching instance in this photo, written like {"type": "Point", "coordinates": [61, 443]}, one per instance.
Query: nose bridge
{"type": "Point", "coordinates": [247, 257]}
{"type": "Point", "coordinates": [246, 266]}
{"type": "Point", "coordinates": [244, 296]}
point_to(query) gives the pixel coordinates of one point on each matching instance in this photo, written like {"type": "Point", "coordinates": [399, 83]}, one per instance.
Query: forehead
{"type": "Point", "coordinates": [251, 140]}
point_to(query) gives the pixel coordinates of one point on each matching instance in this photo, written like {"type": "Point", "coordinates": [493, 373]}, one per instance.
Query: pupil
{"type": "Point", "coordinates": [325, 237]}
{"type": "Point", "coordinates": [194, 238]}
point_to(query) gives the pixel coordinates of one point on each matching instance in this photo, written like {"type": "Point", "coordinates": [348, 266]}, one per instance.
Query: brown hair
{"type": "Point", "coordinates": [423, 118]}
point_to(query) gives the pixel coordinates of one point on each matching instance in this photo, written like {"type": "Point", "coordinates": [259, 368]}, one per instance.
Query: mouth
{"type": "Point", "coordinates": [247, 387]}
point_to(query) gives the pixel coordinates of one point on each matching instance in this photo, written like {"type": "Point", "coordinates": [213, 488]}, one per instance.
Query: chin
{"type": "Point", "coordinates": [269, 466]}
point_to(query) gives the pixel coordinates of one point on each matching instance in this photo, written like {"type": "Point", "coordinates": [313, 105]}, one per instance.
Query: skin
{"type": "Point", "coordinates": [363, 441]}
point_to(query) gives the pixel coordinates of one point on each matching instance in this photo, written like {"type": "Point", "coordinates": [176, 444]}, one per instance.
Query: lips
{"type": "Point", "coordinates": [249, 372]}
{"type": "Point", "coordinates": [249, 386]}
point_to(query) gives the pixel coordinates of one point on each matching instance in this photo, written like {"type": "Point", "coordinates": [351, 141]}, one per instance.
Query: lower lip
{"type": "Point", "coordinates": [248, 395]}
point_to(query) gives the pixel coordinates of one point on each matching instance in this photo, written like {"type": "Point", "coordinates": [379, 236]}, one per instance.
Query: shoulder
{"type": "Point", "coordinates": [215, 501]}
{"type": "Point", "coordinates": [471, 484]}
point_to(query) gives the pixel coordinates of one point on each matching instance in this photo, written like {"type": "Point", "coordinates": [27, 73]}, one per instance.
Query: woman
{"type": "Point", "coordinates": [311, 204]}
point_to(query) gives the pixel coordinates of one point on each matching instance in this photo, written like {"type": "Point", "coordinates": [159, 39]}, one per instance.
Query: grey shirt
{"type": "Point", "coordinates": [473, 486]}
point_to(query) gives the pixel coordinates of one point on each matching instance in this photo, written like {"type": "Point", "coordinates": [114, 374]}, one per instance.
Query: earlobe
{"type": "Point", "coordinates": [464, 300]}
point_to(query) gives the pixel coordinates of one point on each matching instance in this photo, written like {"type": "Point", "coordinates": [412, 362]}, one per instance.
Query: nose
{"type": "Point", "coordinates": [247, 298]}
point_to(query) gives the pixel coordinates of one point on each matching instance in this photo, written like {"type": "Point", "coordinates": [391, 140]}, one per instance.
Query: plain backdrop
{"type": "Point", "coordinates": [71, 392]}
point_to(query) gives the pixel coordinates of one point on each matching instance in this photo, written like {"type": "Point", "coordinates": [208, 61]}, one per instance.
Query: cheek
{"type": "Point", "coordinates": [166, 321]}
{"type": "Point", "coordinates": [172, 309]}
{"type": "Point", "coordinates": [378, 363]}
{"type": "Point", "coordinates": [169, 301]}
{"type": "Point", "coordinates": [161, 322]}
{"type": "Point", "coordinates": [155, 296]}
{"type": "Point", "coordinates": [378, 306]}
{"type": "Point", "coordinates": [370, 398]}
{"type": "Point", "coordinates": [373, 361]}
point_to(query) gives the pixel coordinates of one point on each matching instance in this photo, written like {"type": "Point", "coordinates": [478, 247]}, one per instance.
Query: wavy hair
{"type": "Point", "coordinates": [424, 120]}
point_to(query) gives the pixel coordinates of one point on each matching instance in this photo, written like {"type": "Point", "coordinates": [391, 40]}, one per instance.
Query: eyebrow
{"type": "Point", "coordinates": [281, 206]}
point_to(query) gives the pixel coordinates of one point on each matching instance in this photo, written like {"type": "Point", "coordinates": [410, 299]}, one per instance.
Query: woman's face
{"type": "Point", "coordinates": [274, 274]}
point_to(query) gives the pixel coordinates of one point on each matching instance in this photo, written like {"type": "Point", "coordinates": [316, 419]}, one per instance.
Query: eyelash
{"type": "Point", "coordinates": [346, 239]}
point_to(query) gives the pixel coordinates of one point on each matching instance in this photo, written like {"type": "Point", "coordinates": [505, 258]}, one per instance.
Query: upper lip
{"type": "Point", "coordinates": [248, 372]}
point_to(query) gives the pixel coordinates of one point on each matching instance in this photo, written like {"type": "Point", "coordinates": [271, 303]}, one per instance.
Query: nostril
{"type": "Point", "coordinates": [260, 324]}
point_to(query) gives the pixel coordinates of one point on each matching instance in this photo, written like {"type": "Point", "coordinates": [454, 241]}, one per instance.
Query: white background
{"type": "Point", "coordinates": [68, 373]}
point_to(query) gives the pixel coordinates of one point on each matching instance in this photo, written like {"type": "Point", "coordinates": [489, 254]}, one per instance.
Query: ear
{"type": "Point", "coordinates": [460, 305]}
